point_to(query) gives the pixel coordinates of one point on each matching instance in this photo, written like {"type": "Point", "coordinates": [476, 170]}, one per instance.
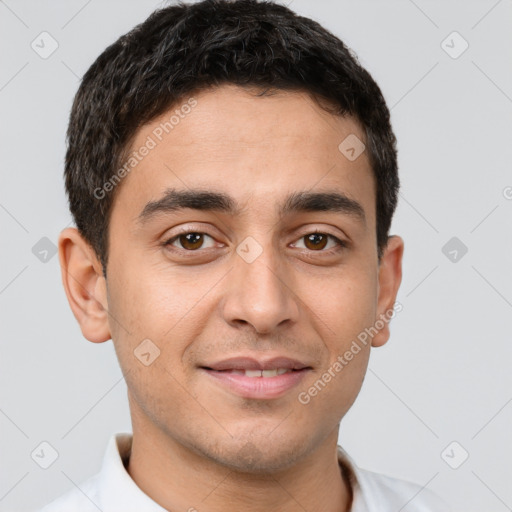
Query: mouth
{"type": "Point", "coordinates": [258, 373]}
{"type": "Point", "coordinates": [259, 379]}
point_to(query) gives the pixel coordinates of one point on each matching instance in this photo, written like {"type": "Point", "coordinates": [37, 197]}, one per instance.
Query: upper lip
{"type": "Point", "coordinates": [251, 363]}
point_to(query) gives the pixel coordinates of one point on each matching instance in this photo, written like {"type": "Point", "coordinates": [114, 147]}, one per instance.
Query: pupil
{"type": "Point", "coordinates": [317, 239]}
{"type": "Point", "coordinates": [192, 240]}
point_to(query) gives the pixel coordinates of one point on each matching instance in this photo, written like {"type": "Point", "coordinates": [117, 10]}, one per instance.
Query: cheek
{"type": "Point", "coordinates": [346, 304]}
{"type": "Point", "coordinates": [341, 309]}
{"type": "Point", "coordinates": [160, 304]}
{"type": "Point", "coordinates": [157, 307]}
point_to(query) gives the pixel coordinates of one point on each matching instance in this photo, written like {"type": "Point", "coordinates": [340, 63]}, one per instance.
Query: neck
{"type": "Point", "coordinates": [179, 479]}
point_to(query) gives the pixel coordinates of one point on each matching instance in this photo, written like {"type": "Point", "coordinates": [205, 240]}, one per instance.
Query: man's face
{"type": "Point", "coordinates": [241, 290]}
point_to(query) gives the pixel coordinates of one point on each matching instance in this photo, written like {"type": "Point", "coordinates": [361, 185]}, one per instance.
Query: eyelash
{"type": "Point", "coordinates": [340, 243]}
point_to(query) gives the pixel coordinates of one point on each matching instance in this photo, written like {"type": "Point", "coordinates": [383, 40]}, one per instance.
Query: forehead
{"type": "Point", "coordinates": [256, 149]}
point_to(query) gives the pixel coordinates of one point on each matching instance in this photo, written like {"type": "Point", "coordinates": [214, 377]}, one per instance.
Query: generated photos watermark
{"type": "Point", "coordinates": [363, 338]}
{"type": "Point", "coordinates": [151, 142]}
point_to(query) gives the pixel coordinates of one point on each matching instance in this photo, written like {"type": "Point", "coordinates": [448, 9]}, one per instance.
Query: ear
{"type": "Point", "coordinates": [390, 277]}
{"type": "Point", "coordinates": [85, 286]}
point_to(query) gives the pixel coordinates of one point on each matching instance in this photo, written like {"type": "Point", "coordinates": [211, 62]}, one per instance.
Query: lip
{"type": "Point", "coordinates": [251, 363]}
{"type": "Point", "coordinates": [261, 388]}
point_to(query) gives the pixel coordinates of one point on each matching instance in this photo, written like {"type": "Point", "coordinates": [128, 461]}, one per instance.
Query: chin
{"type": "Point", "coordinates": [259, 454]}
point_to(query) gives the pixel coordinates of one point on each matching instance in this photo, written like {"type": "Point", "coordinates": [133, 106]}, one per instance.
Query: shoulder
{"type": "Point", "coordinates": [83, 498]}
{"type": "Point", "coordinates": [377, 489]}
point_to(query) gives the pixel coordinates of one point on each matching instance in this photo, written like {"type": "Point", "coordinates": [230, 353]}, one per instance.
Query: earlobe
{"type": "Point", "coordinates": [390, 277]}
{"type": "Point", "coordinates": [84, 285]}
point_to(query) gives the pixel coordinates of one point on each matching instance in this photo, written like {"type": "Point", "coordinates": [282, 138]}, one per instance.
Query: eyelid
{"type": "Point", "coordinates": [325, 230]}
{"type": "Point", "coordinates": [205, 229]}
{"type": "Point", "coordinates": [341, 243]}
{"type": "Point", "coordinates": [169, 241]}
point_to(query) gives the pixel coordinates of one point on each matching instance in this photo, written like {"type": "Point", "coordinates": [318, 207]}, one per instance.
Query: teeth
{"type": "Point", "coordinates": [253, 373]}
{"type": "Point", "coordinates": [261, 373]}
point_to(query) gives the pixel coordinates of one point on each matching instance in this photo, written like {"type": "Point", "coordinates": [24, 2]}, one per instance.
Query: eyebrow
{"type": "Point", "coordinates": [207, 200]}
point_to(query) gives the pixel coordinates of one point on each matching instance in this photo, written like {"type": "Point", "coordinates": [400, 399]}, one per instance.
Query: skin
{"type": "Point", "coordinates": [196, 444]}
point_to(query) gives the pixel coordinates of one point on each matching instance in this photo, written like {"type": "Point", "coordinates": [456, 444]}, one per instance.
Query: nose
{"type": "Point", "coordinates": [260, 293]}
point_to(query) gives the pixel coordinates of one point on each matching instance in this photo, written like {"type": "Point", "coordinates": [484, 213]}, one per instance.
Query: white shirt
{"type": "Point", "coordinates": [113, 490]}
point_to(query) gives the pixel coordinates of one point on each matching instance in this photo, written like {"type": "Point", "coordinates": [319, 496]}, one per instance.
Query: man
{"type": "Point", "coordinates": [232, 172]}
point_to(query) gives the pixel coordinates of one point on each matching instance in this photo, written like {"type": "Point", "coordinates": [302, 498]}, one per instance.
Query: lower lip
{"type": "Point", "coordinates": [258, 387]}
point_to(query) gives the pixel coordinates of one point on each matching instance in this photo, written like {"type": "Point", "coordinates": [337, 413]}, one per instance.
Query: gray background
{"type": "Point", "coordinates": [445, 374]}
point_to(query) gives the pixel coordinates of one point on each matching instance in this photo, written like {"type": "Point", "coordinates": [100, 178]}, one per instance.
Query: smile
{"type": "Point", "coordinates": [249, 377]}
{"type": "Point", "coordinates": [260, 373]}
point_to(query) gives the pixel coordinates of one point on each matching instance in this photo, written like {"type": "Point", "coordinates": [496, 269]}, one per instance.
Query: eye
{"type": "Point", "coordinates": [189, 241]}
{"type": "Point", "coordinates": [318, 241]}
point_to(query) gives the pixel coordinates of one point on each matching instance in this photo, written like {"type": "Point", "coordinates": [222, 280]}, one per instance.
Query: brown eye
{"type": "Point", "coordinates": [316, 241]}
{"type": "Point", "coordinates": [189, 241]}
